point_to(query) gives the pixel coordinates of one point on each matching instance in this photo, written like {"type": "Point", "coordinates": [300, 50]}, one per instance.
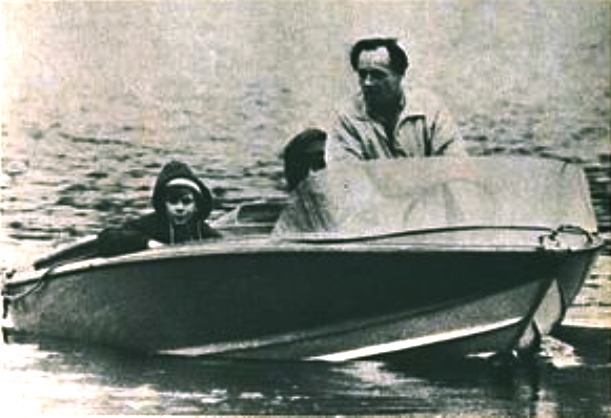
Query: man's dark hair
{"type": "Point", "coordinates": [398, 57]}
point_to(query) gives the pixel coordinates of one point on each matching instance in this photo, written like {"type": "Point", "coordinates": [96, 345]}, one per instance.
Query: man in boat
{"type": "Point", "coordinates": [304, 154]}
{"type": "Point", "coordinates": [383, 120]}
{"type": "Point", "coordinates": [181, 205]}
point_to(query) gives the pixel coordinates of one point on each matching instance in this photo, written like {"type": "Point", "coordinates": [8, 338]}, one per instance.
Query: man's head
{"type": "Point", "coordinates": [380, 64]}
{"type": "Point", "coordinates": [304, 154]}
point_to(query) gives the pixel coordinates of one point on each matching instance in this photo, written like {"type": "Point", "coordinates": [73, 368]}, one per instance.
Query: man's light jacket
{"type": "Point", "coordinates": [423, 129]}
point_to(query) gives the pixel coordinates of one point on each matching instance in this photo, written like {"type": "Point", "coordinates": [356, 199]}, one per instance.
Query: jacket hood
{"type": "Point", "coordinates": [178, 170]}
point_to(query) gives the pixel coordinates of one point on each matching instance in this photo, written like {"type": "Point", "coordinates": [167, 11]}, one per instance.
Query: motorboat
{"type": "Point", "coordinates": [446, 257]}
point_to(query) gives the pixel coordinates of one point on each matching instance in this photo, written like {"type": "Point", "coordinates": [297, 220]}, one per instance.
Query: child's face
{"type": "Point", "coordinates": [180, 205]}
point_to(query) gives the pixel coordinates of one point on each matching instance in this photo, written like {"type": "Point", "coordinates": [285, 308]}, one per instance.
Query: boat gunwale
{"type": "Point", "coordinates": [266, 244]}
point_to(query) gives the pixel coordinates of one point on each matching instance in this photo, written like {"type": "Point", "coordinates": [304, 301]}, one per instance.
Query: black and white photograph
{"type": "Point", "coordinates": [305, 208]}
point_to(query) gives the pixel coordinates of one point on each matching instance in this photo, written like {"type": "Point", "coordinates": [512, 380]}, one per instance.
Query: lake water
{"type": "Point", "coordinates": [98, 95]}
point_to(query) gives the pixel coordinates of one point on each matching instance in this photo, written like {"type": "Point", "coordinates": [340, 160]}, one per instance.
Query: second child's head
{"type": "Point", "coordinates": [304, 154]}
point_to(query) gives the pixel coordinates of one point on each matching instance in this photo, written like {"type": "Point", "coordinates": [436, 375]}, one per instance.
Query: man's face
{"type": "Point", "coordinates": [180, 205]}
{"type": "Point", "coordinates": [379, 83]}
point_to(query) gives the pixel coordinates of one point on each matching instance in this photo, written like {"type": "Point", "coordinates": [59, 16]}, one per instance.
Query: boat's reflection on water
{"type": "Point", "coordinates": [568, 377]}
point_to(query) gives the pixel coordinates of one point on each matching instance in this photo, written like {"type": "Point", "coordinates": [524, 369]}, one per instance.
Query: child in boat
{"type": "Point", "coordinates": [182, 203]}
{"type": "Point", "coordinates": [304, 154]}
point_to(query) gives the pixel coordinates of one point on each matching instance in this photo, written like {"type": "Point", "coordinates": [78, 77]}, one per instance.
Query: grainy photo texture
{"type": "Point", "coordinates": [299, 207]}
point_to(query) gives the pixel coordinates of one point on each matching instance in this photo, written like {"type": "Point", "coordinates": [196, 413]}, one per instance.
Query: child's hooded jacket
{"type": "Point", "coordinates": [134, 235]}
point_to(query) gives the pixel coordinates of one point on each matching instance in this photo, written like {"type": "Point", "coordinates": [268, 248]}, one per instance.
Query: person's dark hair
{"type": "Point", "coordinates": [303, 152]}
{"type": "Point", "coordinates": [399, 61]}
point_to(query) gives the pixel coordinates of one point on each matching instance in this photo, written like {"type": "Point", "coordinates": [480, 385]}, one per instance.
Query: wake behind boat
{"type": "Point", "coordinates": [438, 256]}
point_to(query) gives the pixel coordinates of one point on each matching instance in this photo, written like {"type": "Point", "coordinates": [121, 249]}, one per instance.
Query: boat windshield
{"type": "Point", "coordinates": [385, 196]}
